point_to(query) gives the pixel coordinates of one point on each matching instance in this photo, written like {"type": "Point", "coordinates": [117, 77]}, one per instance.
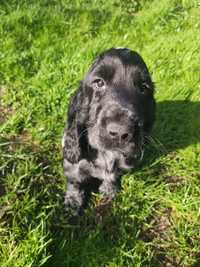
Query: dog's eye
{"type": "Point", "coordinates": [99, 83]}
{"type": "Point", "coordinates": [144, 87]}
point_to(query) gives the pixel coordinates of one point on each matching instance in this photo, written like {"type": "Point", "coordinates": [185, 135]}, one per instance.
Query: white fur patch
{"type": "Point", "coordinates": [63, 140]}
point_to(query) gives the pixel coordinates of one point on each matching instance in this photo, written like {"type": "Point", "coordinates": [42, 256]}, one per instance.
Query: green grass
{"type": "Point", "coordinates": [45, 49]}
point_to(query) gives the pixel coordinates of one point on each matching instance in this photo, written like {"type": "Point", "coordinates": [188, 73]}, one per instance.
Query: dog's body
{"type": "Point", "coordinates": [108, 118]}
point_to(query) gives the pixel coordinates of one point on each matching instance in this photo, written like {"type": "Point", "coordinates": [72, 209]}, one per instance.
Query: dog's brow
{"type": "Point", "coordinates": [106, 71]}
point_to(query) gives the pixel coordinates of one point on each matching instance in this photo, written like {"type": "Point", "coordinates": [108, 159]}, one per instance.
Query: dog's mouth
{"type": "Point", "coordinates": [124, 157]}
{"type": "Point", "coordinates": [129, 154]}
{"type": "Point", "coordinates": [130, 159]}
{"type": "Point", "coordinates": [135, 157]}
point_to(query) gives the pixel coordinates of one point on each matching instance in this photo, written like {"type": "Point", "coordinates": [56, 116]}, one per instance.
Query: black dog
{"type": "Point", "coordinates": [108, 118]}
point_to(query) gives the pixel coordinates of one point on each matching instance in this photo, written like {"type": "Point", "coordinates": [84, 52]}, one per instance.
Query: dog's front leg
{"type": "Point", "coordinates": [74, 199]}
{"type": "Point", "coordinates": [77, 174]}
{"type": "Point", "coordinates": [109, 186]}
{"type": "Point", "coordinates": [106, 164]}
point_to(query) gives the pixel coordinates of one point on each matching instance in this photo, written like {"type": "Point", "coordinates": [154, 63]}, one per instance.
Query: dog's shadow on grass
{"type": "Point", "coordinates": [177, 127]}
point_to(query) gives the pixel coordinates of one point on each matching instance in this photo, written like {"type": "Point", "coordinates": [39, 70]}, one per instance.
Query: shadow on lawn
{"type": "Point", "coordinates": [178, 123]}
{"type": "Point", "coordinates": [177, 126]}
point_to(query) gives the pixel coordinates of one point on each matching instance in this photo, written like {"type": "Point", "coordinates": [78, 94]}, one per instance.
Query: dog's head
{"type": "Point", "coordinates": [119, 106]}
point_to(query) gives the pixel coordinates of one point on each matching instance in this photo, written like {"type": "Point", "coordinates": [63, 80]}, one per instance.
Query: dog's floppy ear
{"type": "Point", "coordinates": [77, 117]}
{"type": "Point", "coordinates": [78, 107]}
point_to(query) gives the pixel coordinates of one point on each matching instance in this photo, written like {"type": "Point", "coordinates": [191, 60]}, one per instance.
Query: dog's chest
{"type": "Point", "coordinates": [105, 165]}
{"type": "Point", "coordinates": [106, 161]}
{"type": "Point", "coordinates": [109, 164]}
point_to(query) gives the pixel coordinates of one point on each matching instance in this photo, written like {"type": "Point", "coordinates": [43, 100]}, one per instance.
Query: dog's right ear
{"type": "Point", "coordinates": [78, 108]}
{"type": "Point", "coordinates": [77, 117]}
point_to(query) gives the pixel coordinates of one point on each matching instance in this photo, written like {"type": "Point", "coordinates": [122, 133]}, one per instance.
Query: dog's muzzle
{"type": "Point", "coordinates": [120, 125]}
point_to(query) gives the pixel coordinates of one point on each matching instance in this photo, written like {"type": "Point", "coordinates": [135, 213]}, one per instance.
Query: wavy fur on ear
{"type": "Point", "coordinates": [77, 116]}
{"type": "Point", "coordinates": [78, 107]}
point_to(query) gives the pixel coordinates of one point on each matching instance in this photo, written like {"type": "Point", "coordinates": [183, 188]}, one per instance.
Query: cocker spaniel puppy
{"type": "Point", "coordinates": [108, 118]}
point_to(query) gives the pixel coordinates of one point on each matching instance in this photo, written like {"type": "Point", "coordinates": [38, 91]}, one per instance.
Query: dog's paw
{"type": "Point", "coordinates": [108, 189]}
{"type": "Point", "coordinates": [73, 203]}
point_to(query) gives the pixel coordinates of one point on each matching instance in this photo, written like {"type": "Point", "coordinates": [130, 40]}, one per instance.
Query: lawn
{"type": "Point", "coordinates": [46, 46]}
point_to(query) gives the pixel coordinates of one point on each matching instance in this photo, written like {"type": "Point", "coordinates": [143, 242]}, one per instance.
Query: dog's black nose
{"type": "Point", "coordinates": [118, 132]}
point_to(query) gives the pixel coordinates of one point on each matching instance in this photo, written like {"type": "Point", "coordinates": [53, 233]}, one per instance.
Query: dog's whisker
{"type": "Point", "coordinates": [141, 154]}
{"type": "Point", "coordinates": [156, 143]}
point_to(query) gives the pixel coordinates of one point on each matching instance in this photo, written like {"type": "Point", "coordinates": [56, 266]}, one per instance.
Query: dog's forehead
{"type": "Point", "coordinates": [116, 68]}
{"type": "Point", "coordinates": [118, 65]}
{"type": "Point", "coordinates": [124, 55]}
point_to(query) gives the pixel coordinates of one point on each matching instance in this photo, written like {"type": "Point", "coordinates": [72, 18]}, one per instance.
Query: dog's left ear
{"type": "Point", "coordinates": [150, 107]}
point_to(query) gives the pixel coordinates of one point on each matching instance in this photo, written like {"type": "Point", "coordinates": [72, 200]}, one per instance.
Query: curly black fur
{"type": "Point", "coordinates": [108, 118]}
